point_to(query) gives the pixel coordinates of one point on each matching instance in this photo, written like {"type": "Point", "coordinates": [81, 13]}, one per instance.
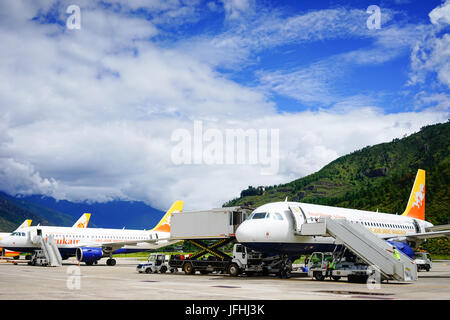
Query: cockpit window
{"type": "Point", "coordinates": [258, 215]}
{"type": "Point", "coordinates": [277, 216]}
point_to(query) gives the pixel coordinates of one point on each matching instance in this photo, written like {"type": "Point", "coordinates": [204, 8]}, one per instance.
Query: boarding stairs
{"type": "Point", "coordinates": [50, 250]}
{"type": "Point", "coordinates": [373, 250]}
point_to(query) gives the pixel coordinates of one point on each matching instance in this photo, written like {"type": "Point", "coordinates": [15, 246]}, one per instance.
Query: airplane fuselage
{"type": "Point", "coordinates": [69, 239]}
{"type": "Point", "coordinates": [271, 227]}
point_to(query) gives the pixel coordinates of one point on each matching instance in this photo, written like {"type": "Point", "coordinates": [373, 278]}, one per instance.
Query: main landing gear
{"type": "Point", "coordinates": [111, 261]}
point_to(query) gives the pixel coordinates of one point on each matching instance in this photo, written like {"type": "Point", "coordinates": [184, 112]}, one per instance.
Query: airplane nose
{"type": "Point", "coordinates": [242, 232]}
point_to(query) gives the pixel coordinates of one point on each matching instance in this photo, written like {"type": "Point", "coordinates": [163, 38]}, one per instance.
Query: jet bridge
{"type": "Point", "coordinates": [371, 249]}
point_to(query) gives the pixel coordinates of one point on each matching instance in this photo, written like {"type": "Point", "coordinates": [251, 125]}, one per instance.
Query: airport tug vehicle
{"type": "Point", "coordinates": [423, 261]}
{"type": "Point", "coordinates": [335, 265]}
{"type": "Point", "coordinates": [156, 262]}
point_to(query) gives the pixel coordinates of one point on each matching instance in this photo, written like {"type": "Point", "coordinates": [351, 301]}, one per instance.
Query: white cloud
{"type": "Point", "coordinates": [441, 14]}
{"type": "Point", "coordinates": [235, 9]}
{"type": "Point", "coordinates": [431, 55]}
{"type": "Point", "coordinates": [89, 114]}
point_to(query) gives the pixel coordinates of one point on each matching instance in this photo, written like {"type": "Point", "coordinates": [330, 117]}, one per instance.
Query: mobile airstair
{"type": "Point", "coordinates": [48, 255]}
{"type": "Point", "coordinates": [371, 249]}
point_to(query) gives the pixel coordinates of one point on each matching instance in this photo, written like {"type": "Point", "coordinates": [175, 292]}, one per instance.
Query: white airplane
{"type": "Point", "coordinates": [270, 227]}
{"type": "Point", "coordinates": [91, 244]}
{"type": "Point", "coordinates": [8, 253]}
{"type": "Point", "coordinates": [82, 222]}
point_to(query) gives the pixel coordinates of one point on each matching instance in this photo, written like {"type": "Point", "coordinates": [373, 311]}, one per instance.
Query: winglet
{"type": "Point", "coordinates": [83, 221]}
{"type": "Point", "coordinates": [416, 203]}
{"type": "Point", "coordinates": [164, 224]}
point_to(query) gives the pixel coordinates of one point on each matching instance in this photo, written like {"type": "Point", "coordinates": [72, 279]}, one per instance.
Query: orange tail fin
{"type": "Point", "coordinates": [164, 224]}
{"type": "Point", "coordinates": [416, 203]}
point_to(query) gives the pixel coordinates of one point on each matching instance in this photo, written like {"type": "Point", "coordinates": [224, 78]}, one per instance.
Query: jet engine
{"type": "Point", "coordinates": [89, 255]}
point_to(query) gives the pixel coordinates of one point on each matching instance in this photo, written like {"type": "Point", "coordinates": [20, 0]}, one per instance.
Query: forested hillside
{"type": "Point", "coordinates": [379, 177]}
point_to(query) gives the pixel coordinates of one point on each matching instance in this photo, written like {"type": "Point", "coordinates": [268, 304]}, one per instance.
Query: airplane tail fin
{"type": "Point", "coordinates": [164, 224]}
{"type": "Point", "coordinates": [416, 203]}
{"type": "Point", "coordinates": [83, 221]}
{"type": "Point", "coordinates": [25, 224]}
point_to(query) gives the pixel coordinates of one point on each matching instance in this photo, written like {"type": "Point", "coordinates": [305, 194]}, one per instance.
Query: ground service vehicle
{"type": "Point", "coordinates": [423, 261]}
{"type": "Point", "coordinates": [38, 259]}
{"type": "Point", "coordinates": [326, 264]}
{"type": "Point", "coordinates": [243, 260]}
{"type": "Point", "coordinates": [156, 262]}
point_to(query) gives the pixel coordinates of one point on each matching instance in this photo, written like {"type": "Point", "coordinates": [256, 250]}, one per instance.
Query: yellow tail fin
{"type": "Point", "coordinates": [416, 203]}
{"type": "Point", "coordinates": [164, 224]}
{"type": "Point", "coordinates": [25, 224]}
{"type": "Point", "coordinates": [83, 221]}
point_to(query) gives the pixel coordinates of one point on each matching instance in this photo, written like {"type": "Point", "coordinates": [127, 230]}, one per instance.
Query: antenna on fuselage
{"type": "Point", "coordinates": [285, 200]}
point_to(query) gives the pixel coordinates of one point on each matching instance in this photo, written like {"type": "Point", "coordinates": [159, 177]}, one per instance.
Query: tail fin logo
{"type": "Point", "coordinates": [419, 197]}
{"type": "Point", "coordinates": [416, 204]}
{"type": "Point", "coordinates": [83, 222]}
{"type": "Point", "coordinates": [164, 224]}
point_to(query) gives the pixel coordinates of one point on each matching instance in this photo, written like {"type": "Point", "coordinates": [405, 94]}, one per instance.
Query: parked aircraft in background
{"type": "Point", "coordinates": [8, 253]}
{"type": "Point", "coordinates": [91, 244]}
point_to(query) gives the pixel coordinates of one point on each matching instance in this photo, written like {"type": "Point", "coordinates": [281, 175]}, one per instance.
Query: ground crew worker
{"type": "Point", "coordinates": [396, 253]}
{"type": "Point", "coordinates": [331, 265]}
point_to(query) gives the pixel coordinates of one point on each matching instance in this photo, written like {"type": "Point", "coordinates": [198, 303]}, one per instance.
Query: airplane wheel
{"type": "Point", "coordinates": [111, 262]}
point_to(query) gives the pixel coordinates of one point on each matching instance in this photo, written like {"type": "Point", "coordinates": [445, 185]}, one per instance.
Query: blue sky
{"type": "Point", "coordinates": [88, 114]}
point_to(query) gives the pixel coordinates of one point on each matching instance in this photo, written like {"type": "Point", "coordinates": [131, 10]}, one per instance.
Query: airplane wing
{"type": "Point", "coordinates": [429, 235]}
{"type": "Point", "coordinates": [115, 245]}
{"type": "Point", "coordinates": [439, 228]}
{"type": "Point", "coordinates": [422, 236]}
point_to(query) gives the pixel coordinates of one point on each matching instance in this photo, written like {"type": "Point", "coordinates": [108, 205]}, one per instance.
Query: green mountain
{"type": "Point", "coordinates": [13, 211]}
{"type": "Point", "coordinates": [378, 177]}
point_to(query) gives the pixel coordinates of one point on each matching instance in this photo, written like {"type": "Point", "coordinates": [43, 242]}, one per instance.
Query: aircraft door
{"type": "Point", "coordinates": [299, 217]}
{"type": "Point", "coordinates": [416, 226]}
